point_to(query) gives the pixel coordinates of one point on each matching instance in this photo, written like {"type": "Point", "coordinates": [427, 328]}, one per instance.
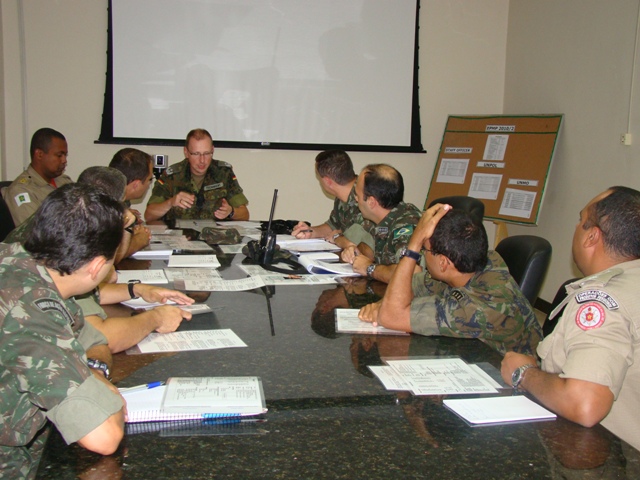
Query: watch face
{"type": "Point", "coordinates": [515, 376]}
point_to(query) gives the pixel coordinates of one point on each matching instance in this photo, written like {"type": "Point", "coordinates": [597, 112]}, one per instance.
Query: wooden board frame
{"type": "Point", "coordinates": [503, 156]}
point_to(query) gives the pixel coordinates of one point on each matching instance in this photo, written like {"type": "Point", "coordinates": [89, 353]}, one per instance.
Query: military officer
{"type": "Point", "coordinates": [198, 187]}
{"type": "Point", "coordinates": [466, 292]}
{"type": "Point", "coordinates": [379, 193]}
{"type": "Point", "coordinates": [48, 153]}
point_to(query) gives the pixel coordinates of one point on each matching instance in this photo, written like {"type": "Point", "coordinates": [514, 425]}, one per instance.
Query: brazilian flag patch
{"type": "Point", "coordinates": [402, 231]}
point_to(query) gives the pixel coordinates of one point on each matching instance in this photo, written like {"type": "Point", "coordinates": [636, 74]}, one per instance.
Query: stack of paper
{"type": "Point", "coordinates": [434, 376]}
{"type": "Point", "coordinates": [498, 410]}
{"type": "Point", "coordinates": [347, 321]}
{"type": "Point", "coordinates": [185, 398]}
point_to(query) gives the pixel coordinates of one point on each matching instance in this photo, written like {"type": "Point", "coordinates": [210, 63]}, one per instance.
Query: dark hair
{"type": "Point", "coordinates": [41, 140]}
{"type": "Point", "coordinates": [110, 181]}
{"type": "Point", "coordinates": [618, 217]}
{"type": "Point", "coordinates": [75, 224]}
{"type": "Point", "coordinates": [133, 163]}
{"type": "Point", "coordinates": [384, 183]}
{"type": "Point", "coordinates": [336, 165]}
{"type": "Point", "coordinates": [460, 238]}
{"type": "Point", "coordinates": [197, 134]}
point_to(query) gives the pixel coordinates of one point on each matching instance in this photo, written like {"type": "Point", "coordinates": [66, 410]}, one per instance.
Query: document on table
{"type": "Point", "coordinates": [441, 376]}
{"type": "Point", "coordinates": [289, 242]}
{"type": "Point", "coordinates": [174, 274]}
{"type": "Point", "coordinates": [271, 278]}
{"type": "Point", "coordinates": [325, 268]}
{"type": "Point", "coordinates": [181, 244]}
{"type": "Point", "coordinates": [141, 304]}
{"type": "Point", "coordinates": [187, 341]}
{"type": "Point", "coordinates": [206, 261]}
{"type": "Point", "coordinates": [347, 321]}
{"type": "Point", "coordinates": [498, 410]}
{"type": "Point", "coordinates": [214, 396]}
{"type": "Point", "coordinates": [153, 251]}
{"type": "Point", "coordinates": [195, 224]}
{"type": "Point", "coordinates": [144, 276]}
{"type": "Point", "coordinates": [221, 285]}
{"type": "Point", "coordinates": [231, 249]}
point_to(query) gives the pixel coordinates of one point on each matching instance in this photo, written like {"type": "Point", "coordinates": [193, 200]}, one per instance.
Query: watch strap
{"type": "Point", "coordinates": [413, 255]}
{"type": "Point", "coordinates": [518, 375]}
{"type": "Point", "coordinates": [99, 365]}
{"type": "Point", "coordinates": [130, 287]}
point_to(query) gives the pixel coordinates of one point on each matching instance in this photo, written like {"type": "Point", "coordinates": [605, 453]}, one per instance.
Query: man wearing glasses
{"type": "Point", "coordinates": [466, 292]}
{"type": "Point", "coordinates": [198, 187]}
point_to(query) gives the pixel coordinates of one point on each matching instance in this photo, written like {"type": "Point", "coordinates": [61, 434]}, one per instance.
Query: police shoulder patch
{"type": "Point", "coordinates": [403, 231]}
{"type": "Point", "coordinates": [590, 315]}
{"type": "Point", "coordinates": [51, 304]}
{"type": "Point", "coordinates": [597, 296]}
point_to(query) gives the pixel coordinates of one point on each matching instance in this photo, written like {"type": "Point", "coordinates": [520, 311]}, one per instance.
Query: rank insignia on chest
{"type": "Point", "coordinates": [169, 171]}
{"type": "Point", "coordinates": [590, 315]}
{"type": "Point", "coordinates": [213, 186]}
{"type": "Point", "coordinates": [382, 231]}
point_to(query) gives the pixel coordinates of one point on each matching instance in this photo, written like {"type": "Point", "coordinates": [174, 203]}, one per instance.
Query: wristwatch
{"type": "Point", "coordinates": [336, 235]}
{"type": "Point", "coordinates": [130, 287]}
{"type": "Point", "coordinates": [233, 212]}
{"type": "Point", "coordinates": [518, 375]}
{"type": "Point", "coordinates": [405, 252]}
{"type": "Point", "coordinates": [98, 365]}
{"type": "Point", "coordinates": [370, 270]}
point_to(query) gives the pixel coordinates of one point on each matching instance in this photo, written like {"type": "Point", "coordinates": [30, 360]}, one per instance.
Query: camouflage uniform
{"type": "Point", "coordinates": [490, 307]}
{"type": "Point", "coordinates": [392, 234]}
{"type": "Point", "coordinates": [597, 340]}
{"type": "Point", "coordinates": [26, 193]}
{"type": "Point", "coordinates": [44, 372]}
{"type": "Point", "coordinates": [219, 182]}
{"type": "Point", "coordinates": [19, 234]}
{"type": "Point", "coordinates": [345, 214]}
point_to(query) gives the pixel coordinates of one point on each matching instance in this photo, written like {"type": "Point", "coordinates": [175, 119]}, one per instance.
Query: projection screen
{"type": "Point", "coordinates": [264, 73]}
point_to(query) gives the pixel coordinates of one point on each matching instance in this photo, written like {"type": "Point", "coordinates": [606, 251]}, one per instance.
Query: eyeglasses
{"type": "Point", "coordinates": [201, 154]}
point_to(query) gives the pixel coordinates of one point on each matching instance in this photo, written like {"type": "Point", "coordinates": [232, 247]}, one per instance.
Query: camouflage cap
{"type": "Point", "coordinates": [220, 236]}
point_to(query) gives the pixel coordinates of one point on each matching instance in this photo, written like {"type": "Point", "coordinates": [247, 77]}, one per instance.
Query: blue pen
{"type": "Point", "coordinates": [141, 387]}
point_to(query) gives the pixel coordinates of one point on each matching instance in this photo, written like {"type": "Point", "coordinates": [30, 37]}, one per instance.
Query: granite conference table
{"type": "Point", "coordinates": [328, 417]}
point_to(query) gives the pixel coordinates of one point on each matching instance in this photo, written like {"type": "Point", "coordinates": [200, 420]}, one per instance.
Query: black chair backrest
{"type": "Point", "coordinates": [561, 294]}
{"type": "Point", "coordinates": [6, 220]}
{"type": "Point", "coordinates": [460, 202]}
{"type": "Point", "coordinates": [528, 258]}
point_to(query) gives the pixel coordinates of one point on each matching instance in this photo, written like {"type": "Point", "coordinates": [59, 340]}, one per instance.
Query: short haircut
{"type": "Point", "coordinates": [110, 181]}
{"type": "Point", "coordinates": [133, 163]}
{"type": "Point", "coordinates": [459, 237]}
{"type": "Point", "coordinates": [336, 165]}
{"type": "Point", "coordinates": [384, 183]}
{"type": "Point", "coordinates": [75, 224]}
{"type": "Point", "coordinates": [41, 140]}
{"type": "Point", "coordinates": [198, 134]}
{"type": "Point", "coordinates": [618, 217]}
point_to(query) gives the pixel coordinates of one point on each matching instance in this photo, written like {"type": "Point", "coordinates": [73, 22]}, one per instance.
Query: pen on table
{"type": "Point", "coordinates": [307, 230]}
{"type": "Point", "coordinates": [146, 386]}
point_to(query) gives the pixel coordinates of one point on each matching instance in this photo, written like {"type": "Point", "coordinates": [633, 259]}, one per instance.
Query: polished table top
{"type": "Point", "coordinates": [328, 417]}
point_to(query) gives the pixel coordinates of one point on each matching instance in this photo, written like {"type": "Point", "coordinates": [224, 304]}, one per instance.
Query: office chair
{"type": "Point", "coordinates": [460, 202]}
{"type": "Point", "coordinates": [6, 220]}
{"type": "Point", "coordinates": [527, 258]}
{"type": "Point", "coordinates": [561, 294]}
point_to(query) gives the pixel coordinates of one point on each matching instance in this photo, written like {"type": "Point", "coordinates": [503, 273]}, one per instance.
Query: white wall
{"type": "Point", "coordinates": [576, 57]}
{"type": "Point", "coordinates": [462, 61]}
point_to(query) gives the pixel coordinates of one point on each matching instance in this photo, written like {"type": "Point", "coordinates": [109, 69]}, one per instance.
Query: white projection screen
{"type": "Point", "coordinates": [264, 73]}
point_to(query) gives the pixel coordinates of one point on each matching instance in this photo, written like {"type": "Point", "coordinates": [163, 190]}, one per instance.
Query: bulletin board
{"type": "Point", "coordinates": [503, 160]}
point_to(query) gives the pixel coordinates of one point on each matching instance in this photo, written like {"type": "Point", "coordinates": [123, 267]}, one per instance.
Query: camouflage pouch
{"type": "Point", "coordinates": [220, 236]}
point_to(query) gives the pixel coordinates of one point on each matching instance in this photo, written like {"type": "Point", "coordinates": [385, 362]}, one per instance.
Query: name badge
{"type": "Point", "coordinates": [213, 186]}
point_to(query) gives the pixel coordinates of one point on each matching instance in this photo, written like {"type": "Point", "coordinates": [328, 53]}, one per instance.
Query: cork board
{"type": "Point", "coordinates": [504, 160]}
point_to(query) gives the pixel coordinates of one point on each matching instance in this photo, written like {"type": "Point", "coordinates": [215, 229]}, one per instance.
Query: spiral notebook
{"type": "Point", "coordinates": [193, 398]}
